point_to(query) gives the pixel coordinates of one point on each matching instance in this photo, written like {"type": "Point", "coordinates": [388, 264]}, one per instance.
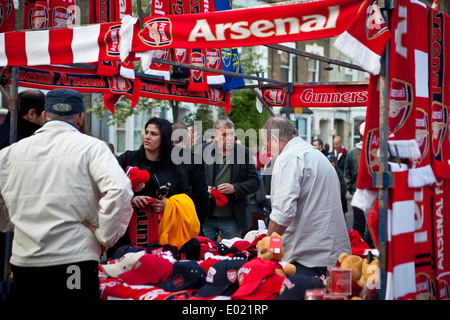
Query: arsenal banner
{"type": "Point", "coordinates": [221, 29]}
{"type": "Point", "coordinates": [86, 80]}
{"type": "Point", "coordinates": [318, 96]}
{"type": "Point", "coordinates": [245, 27]}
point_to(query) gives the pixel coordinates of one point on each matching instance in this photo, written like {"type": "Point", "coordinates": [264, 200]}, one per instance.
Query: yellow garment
{"type": "Point", "coordinates": [179, 222]}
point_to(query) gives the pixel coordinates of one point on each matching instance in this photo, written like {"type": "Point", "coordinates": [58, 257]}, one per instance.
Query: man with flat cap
{"type": "Point", "coordinates": [65, 198]}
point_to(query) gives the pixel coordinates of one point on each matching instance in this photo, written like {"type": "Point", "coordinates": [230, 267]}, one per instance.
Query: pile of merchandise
{"type": "Point", "coordinates": [206, 270]}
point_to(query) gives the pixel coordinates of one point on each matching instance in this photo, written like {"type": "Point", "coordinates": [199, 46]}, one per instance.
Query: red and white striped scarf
{"type": "Point", "coordinates": [401, 275]}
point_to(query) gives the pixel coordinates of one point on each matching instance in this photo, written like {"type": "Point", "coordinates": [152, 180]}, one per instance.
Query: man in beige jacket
{"type": "Point", "coordinates": [65, 198]}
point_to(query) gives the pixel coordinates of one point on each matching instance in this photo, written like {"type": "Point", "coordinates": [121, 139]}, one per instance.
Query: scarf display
{"type": "Point", "coordinates": [41, 14]}
{"type": "Point", "coordinates": [401, 275]}
{"type": "Point", "coordinates": [8, 21]}
{"type": "Point", "coordinates": [87, 80]}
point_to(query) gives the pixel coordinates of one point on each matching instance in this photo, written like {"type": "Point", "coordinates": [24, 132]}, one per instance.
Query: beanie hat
{"type": "Point", "coordinates": [220, 198]}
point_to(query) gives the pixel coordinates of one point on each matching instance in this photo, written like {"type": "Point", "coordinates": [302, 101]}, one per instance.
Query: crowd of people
{"type": "Point", "coordinates": [68, 200]}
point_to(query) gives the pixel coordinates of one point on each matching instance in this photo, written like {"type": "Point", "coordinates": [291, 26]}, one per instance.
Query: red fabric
{"type": "Point", "coordinates": [404, 74]}
{"type": "Point", "coordinates": [400, 258]}
{"type": "Point", "coordinates": [86, 80]}
{"type": "Point", "coordinates": [160, 8]}
{"type": "Point", "coordinates": [220, 198]}
{"type": "Point", "coordinates": [62, 13]}
{"type": "Point", "coordinates": [440, 143]}
{"type": "Point", "coordinates": [316, 20]}
{"type": "Point", "coordinates": [137, 176]}
{"type": "Point", "coordinates": [8, 21]}
{"type": "Point", "coordinates": [365, 38]}
{"type": "Point", "coordinates": [143, 227]}
{"type": "Point", "coordinates": [40, 17]}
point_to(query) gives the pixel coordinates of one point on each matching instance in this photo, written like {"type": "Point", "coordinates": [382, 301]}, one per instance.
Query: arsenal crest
{"type": "Point", "coordinates": [439, 121]}
{"type": "Point", "coordinates": [63, 17]}
{"type": "Point", "coordinates": [375, 24]}
{"type": "Point", "coordinates": [213, 58]}
{"type": "Point", "coordinates": [422, 132]}
{"type": "Point", "coordinates": [180, 55]}
{"type": "Point", "coordinates": [39, 18]}
{"type": "Point", "coordinates": [215, 95]}
{"type": "Point", "coordinates": [274, 97]}
{"type": "Point", "coordinates": [372, 150]}
{"type": "Point", "coordinates": [400, 104]}
{"type": "Point", "coordinates": [112, 41]}
{"type": "Point", "coordinates": [119, 84]}
{"type": "Point", "coordinates": [197, 59]}
{"type": "Point", "coordinates": [157, 32]}
{"type": "Point", "coordinates": [232, 275]}
{"type": "Point", "coordinates": [160, 54]}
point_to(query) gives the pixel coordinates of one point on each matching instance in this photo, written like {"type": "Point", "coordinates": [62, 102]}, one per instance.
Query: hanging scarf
{"type": "Point", "coordinates": [197, 78]}
{"type": "Point", "coordinates": [420, 171]}
{"type": "Point", "coordinates": [400, 269]}
{"type": "Point", "coordinates": [180, 54]}
{"type": "Point", "coordinates": [440, 146]}
{"type": "Point", "coordinates": [403, 75]}
{"type": "Point", "coordinates": [159, 8]}
{"type": "Point", "coordinates": [439, 69]}
{"type": "Point", "coordinates": [365, 38]}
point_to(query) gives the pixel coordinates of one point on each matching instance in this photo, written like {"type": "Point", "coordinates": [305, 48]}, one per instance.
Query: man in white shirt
{"type": "Point", "coordinates": [66, 198]}
{"type": "Point", "coordinates": [305, 198]}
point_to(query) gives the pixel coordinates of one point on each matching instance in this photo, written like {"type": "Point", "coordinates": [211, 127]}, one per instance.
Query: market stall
{"type": "Point", "coordinates": [407, 119]}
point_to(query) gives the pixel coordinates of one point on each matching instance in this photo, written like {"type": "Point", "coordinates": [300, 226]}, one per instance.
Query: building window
{"type": "Point", "coordinates": [304, 127]}
{"type": "Point", "coordinates": [128, 133]}
{"type": "Point", "coordinates": [314, 65]}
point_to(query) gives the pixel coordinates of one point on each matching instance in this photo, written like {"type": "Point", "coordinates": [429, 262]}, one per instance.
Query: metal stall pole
{"type": "Point", "coordinates": [384, 179]}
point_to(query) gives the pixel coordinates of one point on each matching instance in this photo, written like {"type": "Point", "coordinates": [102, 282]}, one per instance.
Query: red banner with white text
{"type": "Point", "coordinates": [318, 96]}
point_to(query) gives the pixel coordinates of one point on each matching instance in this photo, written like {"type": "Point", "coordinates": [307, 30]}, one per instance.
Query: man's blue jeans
{"type": "Point", "coordinates": [229, 227]}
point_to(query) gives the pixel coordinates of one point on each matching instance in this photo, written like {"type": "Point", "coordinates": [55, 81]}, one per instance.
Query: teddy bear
{"type": "Point", "coordinates": [266, 253]}
{"type": "Point", "coordinates": [370, 278]}
{"type": "Point", "coordinates": [364, 275]}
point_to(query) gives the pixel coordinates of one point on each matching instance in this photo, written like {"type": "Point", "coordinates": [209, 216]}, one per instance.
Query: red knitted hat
{"type": "Point", "coordinates": [220, 198]}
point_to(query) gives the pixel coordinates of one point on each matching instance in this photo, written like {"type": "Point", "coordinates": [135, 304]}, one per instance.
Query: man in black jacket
{"type": "Point", "coordinates": [231, 169]}
{"type": "Point", "coordinates": [195, 170]}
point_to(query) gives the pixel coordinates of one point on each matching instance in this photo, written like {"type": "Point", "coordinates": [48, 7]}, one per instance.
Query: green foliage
{"type": "Point", "coordinates": [203, 115]}
{"type": "Point", "coordinates": [122, 109]}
